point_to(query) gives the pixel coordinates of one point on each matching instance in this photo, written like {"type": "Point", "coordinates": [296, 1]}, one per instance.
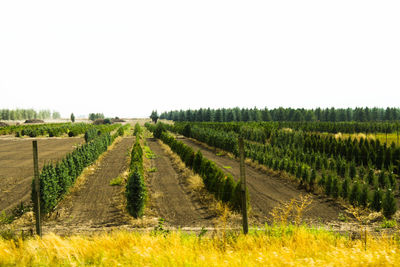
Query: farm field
{"type": "Point", "coordinates": [267, 192]}
{"type": "Point", "coordinates": [16, 165]}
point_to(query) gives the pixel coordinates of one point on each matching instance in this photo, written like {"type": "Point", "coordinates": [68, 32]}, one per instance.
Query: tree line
{"type": "Point", "coordinates": [28, 114]}
{"type": "Point", "coordinates": [360, 114]}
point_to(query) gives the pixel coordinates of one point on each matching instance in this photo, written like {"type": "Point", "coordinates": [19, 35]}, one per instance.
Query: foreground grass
{"type": "Point", "coordinates": [275, 246]}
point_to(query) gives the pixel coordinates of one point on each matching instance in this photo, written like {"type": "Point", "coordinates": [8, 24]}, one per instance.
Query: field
{"type": "Point", "coordinates": [16, 165]}
{"type": "Point", "coordinates": [152, 190]}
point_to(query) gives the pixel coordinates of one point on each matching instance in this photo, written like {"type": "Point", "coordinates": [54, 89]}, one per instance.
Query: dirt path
{"type": "Point", "coordinates": [16, 165]}
{"type": "Point", "coordinates": [95, 203]}
{"type": "Point", "coordinates": [267, 192]}
{"type": "Point", "coordinates": [173, 202]}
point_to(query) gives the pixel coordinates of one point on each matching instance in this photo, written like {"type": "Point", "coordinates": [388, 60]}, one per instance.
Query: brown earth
{"type": "Point", "coordinates": [16, 165]}
{"type": "Point", "coordinates": [94, 203]}
{"type": "Point", "coordinates": [173, 201]}
{"type": "Point", "coordinates": [269, 191]}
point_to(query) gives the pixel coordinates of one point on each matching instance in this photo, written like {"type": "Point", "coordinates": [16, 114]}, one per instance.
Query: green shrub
{"type": "Point", "coordinates": [389, 204]}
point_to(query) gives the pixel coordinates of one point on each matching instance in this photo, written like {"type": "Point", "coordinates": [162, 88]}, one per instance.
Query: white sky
{"type": "Point", "coordinates": [126, 58]}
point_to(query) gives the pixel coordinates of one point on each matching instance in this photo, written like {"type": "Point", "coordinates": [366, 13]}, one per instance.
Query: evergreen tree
{"type": "Point", "coordinates": [363, 201]}
{"type": "Point", "coordinates": [72, 117]}
{"type": "Point", "coordinates": [154, 116]}
{"type": "Point", "coordinates": [345, 188]}
{"type": "Point", "coordinates": [389, 204]}
{"type": "Point", "coordinates": [354, 194]}
{"type": "Point", "coordinates": [328, 185]}
{"type": "Point", "coordinates": [377, 200]}
{"type": "Point", "coordinates": [335, 187]}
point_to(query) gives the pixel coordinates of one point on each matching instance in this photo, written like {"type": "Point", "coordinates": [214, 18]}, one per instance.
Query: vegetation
{"type": "Point", "coordinates": [27, 114]}
{"type": "Point", "coordinates": [95, 116]}
{"type": "Point", "coordinates": [57, 178]}
{"type": "Point", "coordinates": [154, 116]}
{"type": "Point", "coordinates": [271, 246]}
{"type": "Point", "coordinates": [72, 117]}
{"type": "Point", "coordinates": [357, 170]}
{"type": "Point", "coordinates": [358, 114]}
{"type": "Point", "coordinates": [222, 185]}
{"type": "Point", "coordinates": [136, 192]}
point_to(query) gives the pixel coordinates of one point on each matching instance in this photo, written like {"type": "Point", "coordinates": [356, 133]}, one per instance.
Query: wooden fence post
{"type": "Point", "coordinates": [37, 188]}
{"type": "Point", "coordinates": [243, 186]}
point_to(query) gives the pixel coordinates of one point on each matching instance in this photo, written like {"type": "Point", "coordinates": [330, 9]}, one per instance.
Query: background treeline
{"type": "Point", "coordinates": [359, 114]}
{"type": "Point", "coordinates": [57, 178]}
{"type": "Point", "coordinates": [136, 192]}
{"type": "Point", "coordinates": [27, 114]}
{"type": "Point", "coordinates": [222, 185]}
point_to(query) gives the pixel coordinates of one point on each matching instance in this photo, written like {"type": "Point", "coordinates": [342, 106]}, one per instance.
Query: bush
{"type": "Point", "coordinates": [377, 200]}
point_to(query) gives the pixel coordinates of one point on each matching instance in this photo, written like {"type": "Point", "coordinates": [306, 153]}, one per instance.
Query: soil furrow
{"type": "Point", "coordinates": [95, 203]}
{"type": "Point", "coordinates": [173, 202]}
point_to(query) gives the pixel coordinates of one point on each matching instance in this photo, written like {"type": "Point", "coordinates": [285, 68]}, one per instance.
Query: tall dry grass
{"type": "Point", "coordinates": [273, 246]}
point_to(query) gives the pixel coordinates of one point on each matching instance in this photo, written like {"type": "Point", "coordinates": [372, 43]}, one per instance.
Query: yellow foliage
{"type": "Point", "coordinates": [273, 246]}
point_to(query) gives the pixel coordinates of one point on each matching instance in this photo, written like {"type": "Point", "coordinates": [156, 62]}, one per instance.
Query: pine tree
{"type": "Point", "coordinates": [377, 200]}
{"type": "Point", "coordinates": [354, 194]}
{"type": "Point", "coordinates": [371, 177]}
{"type": "Point", "coordinates": [335, 187]}
{"type": "Point", "coordinates": [363, 201]}
{"type": "Point", "coordinates": [328, 185]}
{"type": "Point", "coordinates": [389, 204]}
{"type": "Point", "coordinates": [72, 117]}
{"type": "Point", "coordinates": [345, 188]}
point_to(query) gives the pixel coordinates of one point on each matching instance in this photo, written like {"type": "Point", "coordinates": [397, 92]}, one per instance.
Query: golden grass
{"type": "Point", "coordinates": [273, 246]}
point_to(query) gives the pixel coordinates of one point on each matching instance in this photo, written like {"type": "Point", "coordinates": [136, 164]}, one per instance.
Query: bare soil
{"type": "Point", "coordinates": [267, 191]}
{"type": "Point", "coordinates": [94, 203]}
{"type": "Point", "coordinates": [173, 201]}
{"type": "Point", "coordinates": [16, 165]}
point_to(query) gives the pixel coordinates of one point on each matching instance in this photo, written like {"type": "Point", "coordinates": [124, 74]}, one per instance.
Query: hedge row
{"type": "Point", "coordinates": [222, 185]}
{"type": "Point", "coordinates": [57, 178]}
{"type": "Point", "coordinates": [136, 192]}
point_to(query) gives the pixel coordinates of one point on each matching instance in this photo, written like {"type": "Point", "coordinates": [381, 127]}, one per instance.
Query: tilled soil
{"type": "Point", "coordinates": [267, 192]}
{"type": "Point", "coordinates": [16, 165]}
{"type": "Point", "coordinates": [95, 203]}
{"type": "Point", "coordinates": [173, 201]}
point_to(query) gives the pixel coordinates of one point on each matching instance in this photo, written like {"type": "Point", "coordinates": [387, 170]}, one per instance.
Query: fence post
{"type": "Point", "coordinates": [36, 197]}
{"type": "Point", "coordinates": [243, 186]}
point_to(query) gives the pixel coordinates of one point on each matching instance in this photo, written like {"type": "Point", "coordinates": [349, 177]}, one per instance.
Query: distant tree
{"type": "Point", "coordinates": [72, 117]}
{"type": "Point", "coordinates": [56, 115]}
{"type": "Point", "coordinates": [154, 116]}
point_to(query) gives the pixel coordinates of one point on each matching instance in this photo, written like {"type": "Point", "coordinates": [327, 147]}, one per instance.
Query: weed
{"type": "Point", "coordinates": [116, 181]}
{"type": "Point", "coordinates": [388, 223]}
{"type": "Point", "coordinates": [153, 169]}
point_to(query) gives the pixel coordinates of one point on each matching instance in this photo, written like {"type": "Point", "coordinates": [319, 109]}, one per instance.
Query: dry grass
{"type": "Point", "coordinates": [272, 246]}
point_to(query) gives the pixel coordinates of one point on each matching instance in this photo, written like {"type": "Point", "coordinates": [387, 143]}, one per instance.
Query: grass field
{"type": "Point", "coordinates": [274, 246]}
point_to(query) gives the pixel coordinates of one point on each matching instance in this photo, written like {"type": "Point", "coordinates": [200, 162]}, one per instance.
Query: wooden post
{"type": "Point", "coordinates": [243, 187]}
{"type": "Point", "coordinates": [37, 188]}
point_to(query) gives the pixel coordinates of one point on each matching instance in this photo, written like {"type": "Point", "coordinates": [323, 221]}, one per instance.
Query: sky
{"type": "Point", "coordinates": [127, 58]}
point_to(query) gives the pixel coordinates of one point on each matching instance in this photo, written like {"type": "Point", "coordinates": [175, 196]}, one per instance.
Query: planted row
{"type": "Point", "coordinates": [57, 178]}
{"type": "Point", "coordinates": [222, 185]}
{"type": "Point", "coordinates": [136, 192]}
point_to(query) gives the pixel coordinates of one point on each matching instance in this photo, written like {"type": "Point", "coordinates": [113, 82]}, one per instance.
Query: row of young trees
{"type": "Point", "coordinates": [359, 114]}
{"type": "Point", "coordinates": [27, 114]}
{"type": "Point", "coordinates": [339, 168]}
{"type": "Point", "coordinates": [259, 131]}
{"type": "Point", "coordinates": [136, 192]}
{"type": "Point", "coordinates": [54, 129]}
{"type": "Point", "coordinates": [57, 178]}
{"type": "Point", "coordinates": [222, 185]}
